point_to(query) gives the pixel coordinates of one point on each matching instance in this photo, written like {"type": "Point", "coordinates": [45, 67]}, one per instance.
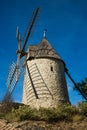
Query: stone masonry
{"type": "Point", "coordinates": [44, 82]}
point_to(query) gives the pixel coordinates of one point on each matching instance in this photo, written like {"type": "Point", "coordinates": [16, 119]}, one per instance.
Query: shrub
{"type": "Point", "coordinates": [62, 112]}
{"type": "Point", "coordinates": [24, 112]}
{"type": "Point", "coordinates": [77, 118]}
{"type": "Point", "coordinates": [83, 108]}
{"type": "Point", "coordinates": [7, 107]}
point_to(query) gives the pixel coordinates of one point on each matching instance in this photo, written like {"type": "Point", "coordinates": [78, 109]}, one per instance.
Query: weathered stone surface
{"type": "Point", "coordinates": [44, 83]}
{"type": "Point", "coordinates": [49, 81]}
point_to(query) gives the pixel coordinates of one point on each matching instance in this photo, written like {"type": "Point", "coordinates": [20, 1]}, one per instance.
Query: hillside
{"type": "Point", "coordinates": [21, 117]}
{"type": "Point", "coordinates": [41, 125]}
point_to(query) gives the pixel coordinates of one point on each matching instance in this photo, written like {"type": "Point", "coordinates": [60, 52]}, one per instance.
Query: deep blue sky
{"type": "Point", "coordinates": [66, 24]}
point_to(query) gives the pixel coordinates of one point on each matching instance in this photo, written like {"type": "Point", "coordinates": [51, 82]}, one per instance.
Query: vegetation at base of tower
{"type": "Point", "coordinates": [83, 108]}
{"type": "Point", "coordinates": [83, 87]}
{"type": "Point", "coordinates": [62, 113]}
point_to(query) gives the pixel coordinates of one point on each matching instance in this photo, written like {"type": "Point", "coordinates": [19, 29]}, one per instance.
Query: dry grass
{"type": "Point", "coordinates": [76, 118]}
{"type": "Point", "coordinates": [62, 113]}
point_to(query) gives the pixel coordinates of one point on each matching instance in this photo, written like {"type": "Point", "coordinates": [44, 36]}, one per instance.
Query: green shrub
{"type": "Point", "coordinates": [7, 107]}
{"type": "Point", "coordinates": [83, 108]}
{"type": "Point", "coordinates": [2, 116]}
{"type": "Point", "coordinates": [68, 111]}
{"type": "Point", "coordinates": [62, 112]}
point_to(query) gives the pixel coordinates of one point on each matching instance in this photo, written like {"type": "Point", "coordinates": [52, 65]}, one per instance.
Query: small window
{"type": "Point", "coordinates": [51, 68]}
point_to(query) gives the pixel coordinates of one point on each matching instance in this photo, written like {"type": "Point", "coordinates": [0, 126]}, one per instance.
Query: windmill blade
{"type": "Point", "coordinates": [10, 90]}
{"type": "Point", "coordinates": [14, 71]}
{"type": "Point", "coordinates": [17, 67]}
{"type": "Point", "coordinates": [12, 80]}
{"type": "Point", "coordinates": [19, 41]}
{"type": "Point", "coordinates": [11, 74]}
{"type": "Point", "coordinates": [7, 97]}
{"type": "Point", "coordinates": [30, 27]}
{"type": "Point", "coordinates": [18, 34]}
{"type": "Point", "coordinates": [76, 86]}
{"type": "Point", "coordinates": [18, 63]}
{"type": "Point", "coordinates": [18, 53]}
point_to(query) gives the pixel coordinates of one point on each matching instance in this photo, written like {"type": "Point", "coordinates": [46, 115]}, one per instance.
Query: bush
{"type": "Point", "coordinates": [83, 108]}
{"type": "Point", "coordinates": [61, 113]}
{"type": "Point", "coordinates": [7, 107]}
{"type": "Point", "coordinates": [64, 112]}
{"type": "Point", "coordinates": [24, 112]}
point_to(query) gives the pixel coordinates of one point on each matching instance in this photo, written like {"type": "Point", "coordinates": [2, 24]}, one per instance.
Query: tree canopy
{"type": "Point", "coordinates": [83, 87]}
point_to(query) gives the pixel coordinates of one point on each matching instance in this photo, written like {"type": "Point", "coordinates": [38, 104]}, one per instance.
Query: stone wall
{"type": "Point", "coordinates": [49, 82]}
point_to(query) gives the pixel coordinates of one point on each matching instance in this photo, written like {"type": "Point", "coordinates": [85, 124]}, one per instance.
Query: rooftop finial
{"type": "Point", "coordinates": [44, 35]}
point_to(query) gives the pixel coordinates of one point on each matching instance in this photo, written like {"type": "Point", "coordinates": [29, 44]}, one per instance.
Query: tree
{"type": "Point", "coordinates": [83, 87]}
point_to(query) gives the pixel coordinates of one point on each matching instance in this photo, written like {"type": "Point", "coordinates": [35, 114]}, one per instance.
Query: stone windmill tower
{"type": "Point", "coordinates": [44, 82]}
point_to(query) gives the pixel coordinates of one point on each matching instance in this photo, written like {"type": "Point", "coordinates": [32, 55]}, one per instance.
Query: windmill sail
{"type": "Point", "coordinates": [30, 27]}
{"type": "Point", "coordinates": [14, 71]}
{"type": "Point", "coordinates": [18, 53]}
{"type": "Point", "coordinates": [11, 81]}
{"type": "Point", "coordinates": [76, 86]}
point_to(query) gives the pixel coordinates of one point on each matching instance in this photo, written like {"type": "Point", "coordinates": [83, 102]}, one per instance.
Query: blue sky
{"type": "Point", "coordinates": [66, 24]}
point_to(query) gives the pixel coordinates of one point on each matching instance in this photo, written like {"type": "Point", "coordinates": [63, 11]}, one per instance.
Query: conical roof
{"type": "Point", "coordinates": [44, 49]}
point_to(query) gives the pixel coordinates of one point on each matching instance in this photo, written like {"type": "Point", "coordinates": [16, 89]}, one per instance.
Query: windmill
{"type": "Point", "coordinates": [14, 70]}
{"type": "Point", "coordinates": [44, 83]}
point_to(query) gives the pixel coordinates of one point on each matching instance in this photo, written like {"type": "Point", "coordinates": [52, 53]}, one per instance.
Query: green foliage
{"type": "Point", "coordinates": [2, 115]}
{"type": "Point", "coordinates": [61, 113]}
{"type": "Point", "coordinates": [24, 112]}
{"type": "Point", "coordinates": [83, 87]}
{"type": "Point", "coordinates": [6, 107]}
{"type": "Point", "coordinates": [83, 108]}
{"type": "Point", "coordinates": [64, 112]}
{"type": "Point", "coordinates": [6, 110]}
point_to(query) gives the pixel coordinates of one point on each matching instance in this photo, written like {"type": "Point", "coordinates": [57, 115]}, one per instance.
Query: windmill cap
{"type": "Point", "coordinates": [43, 50]}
